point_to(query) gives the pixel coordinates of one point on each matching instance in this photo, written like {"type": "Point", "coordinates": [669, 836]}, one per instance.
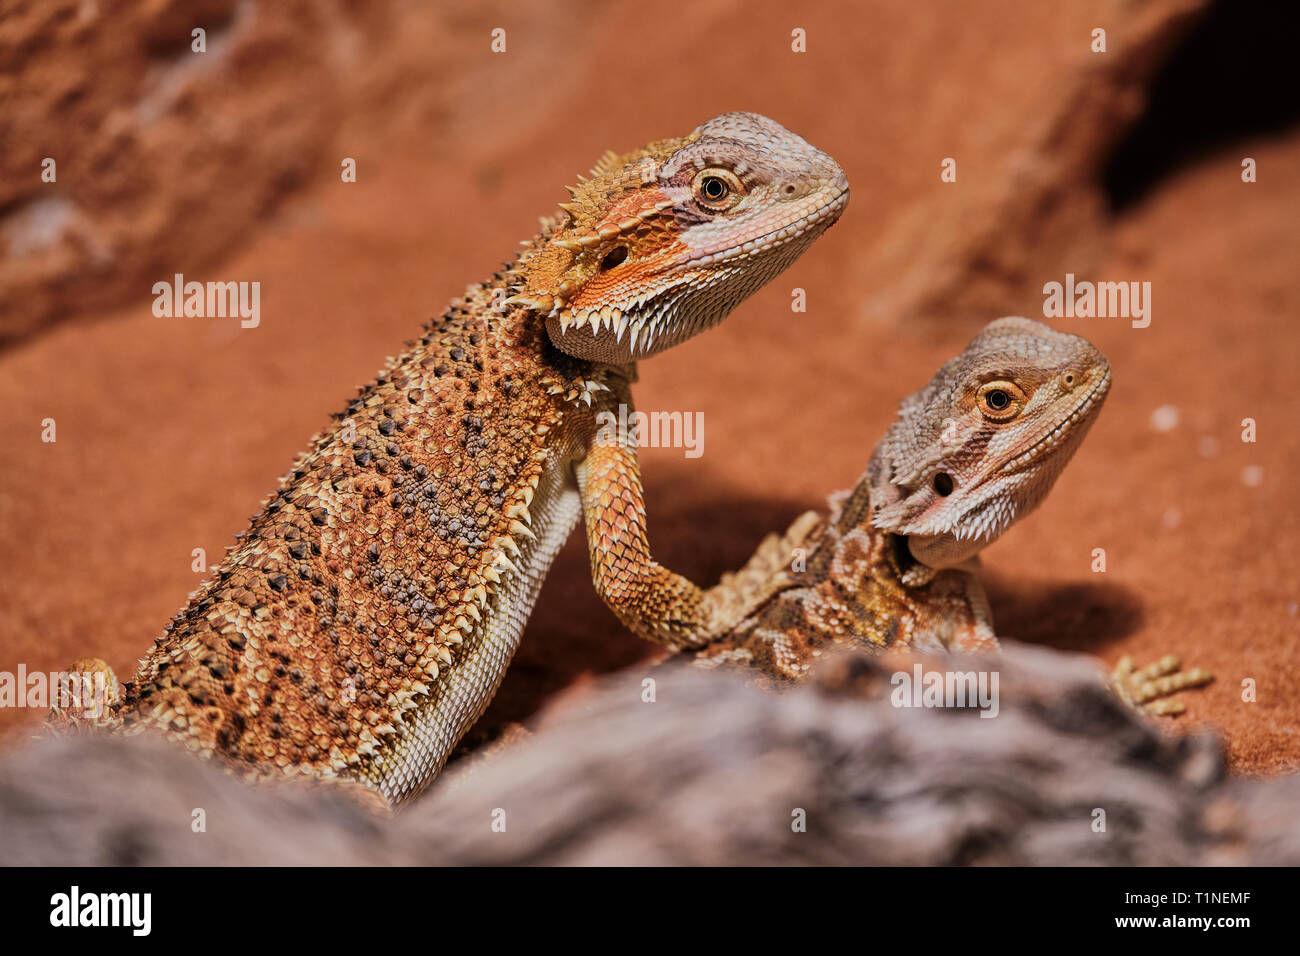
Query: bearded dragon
{"type": "Point", "coordinates": [894, 564]}
{"type": "Point", "coordinates": [364, 620]}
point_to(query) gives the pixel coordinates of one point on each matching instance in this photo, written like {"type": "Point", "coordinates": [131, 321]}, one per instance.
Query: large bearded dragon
{"type": "Point", "coordinates": [894, 565]}
{"type": "Point", "coordinates": [364, 620]}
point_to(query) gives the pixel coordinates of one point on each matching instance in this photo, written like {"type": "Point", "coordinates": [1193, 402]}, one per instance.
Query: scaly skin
{"type": "Point", "coordinates": [364, 620]}
{"type": "Point", "coordinates": [894, 564]}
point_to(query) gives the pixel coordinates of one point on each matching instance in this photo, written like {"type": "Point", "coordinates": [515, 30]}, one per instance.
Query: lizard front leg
{"type": "Point", "coordinates": [652, 601]}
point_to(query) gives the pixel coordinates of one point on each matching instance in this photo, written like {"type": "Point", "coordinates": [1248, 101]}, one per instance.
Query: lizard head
{"type": "Point", "coordinates": [983, 443]}
{"type": "Point", "coordinates": [664, 242]}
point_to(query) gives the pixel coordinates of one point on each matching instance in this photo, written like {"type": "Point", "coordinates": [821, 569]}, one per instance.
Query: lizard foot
{"type": "Point", "coordinates": [1148, 689]}
{"type": "Point", "coordinates": [84, 697]}
{"type": "Point", "coordinates": [767, 573]}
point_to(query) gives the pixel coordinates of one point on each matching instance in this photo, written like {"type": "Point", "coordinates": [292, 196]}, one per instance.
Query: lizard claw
{"type": "Point", "coordinates": [1148, 689]}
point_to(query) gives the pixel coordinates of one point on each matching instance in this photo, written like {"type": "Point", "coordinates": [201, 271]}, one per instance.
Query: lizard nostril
{"type": "Point", "coordinates": [789, 189]}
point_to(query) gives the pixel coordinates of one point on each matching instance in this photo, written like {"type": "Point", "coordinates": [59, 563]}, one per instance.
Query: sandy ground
{"type": "Point", "coordinates": [170, 432]}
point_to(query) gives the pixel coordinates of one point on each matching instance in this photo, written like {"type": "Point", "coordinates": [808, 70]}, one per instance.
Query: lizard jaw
{"type": "Point", "coordinates": [951, 476]}
{"type": "Point", "coordinates": [1065, 426]}
{"type": "Point", "coordinates": [1011, 487]}
{"type": "Point", "coordinates": [636, 327]}
{"type": "Point", "coordinates": [987, 503]}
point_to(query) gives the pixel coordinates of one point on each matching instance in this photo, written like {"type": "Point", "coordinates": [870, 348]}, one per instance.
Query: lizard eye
{"type": "Point", "coordinates": [1000, 401]}
{"type": "Point", "coordinates": [716, 189]}
{"type": "Point", "coordinates": [615, 257]}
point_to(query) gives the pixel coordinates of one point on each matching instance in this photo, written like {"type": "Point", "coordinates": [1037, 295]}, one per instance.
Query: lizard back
{"type": "Point", "coordinates": [362, 602]}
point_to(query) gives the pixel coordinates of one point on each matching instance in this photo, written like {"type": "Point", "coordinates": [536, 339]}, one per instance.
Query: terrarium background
{"type": "Point", "coordinates": [225, 166]}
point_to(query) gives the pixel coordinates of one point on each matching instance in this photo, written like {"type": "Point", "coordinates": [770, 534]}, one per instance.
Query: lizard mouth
{"type": "Point", "coordinates": [823, 216]}
{"type": "Point", "coordinates": [656, 319]}
{"type": "Point", "coordinates": [1066, 427]}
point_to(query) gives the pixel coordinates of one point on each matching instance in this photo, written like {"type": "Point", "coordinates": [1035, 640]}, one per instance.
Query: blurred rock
{"type": "Point", "coordinates": [712, 772]}
{"type": "Point", "coordinates": [162, 155]}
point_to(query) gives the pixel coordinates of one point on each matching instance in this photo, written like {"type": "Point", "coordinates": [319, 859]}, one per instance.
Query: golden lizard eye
{"type": "Point", "coordinates": [615, 257]}
{"type": "Point", "coordinates": [1000, 401]}
{"type": "Point", "coordinates": [716, 189]}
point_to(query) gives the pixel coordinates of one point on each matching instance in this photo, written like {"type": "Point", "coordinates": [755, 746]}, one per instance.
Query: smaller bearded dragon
{"type": "Point", "coordinates": [894, 564]}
